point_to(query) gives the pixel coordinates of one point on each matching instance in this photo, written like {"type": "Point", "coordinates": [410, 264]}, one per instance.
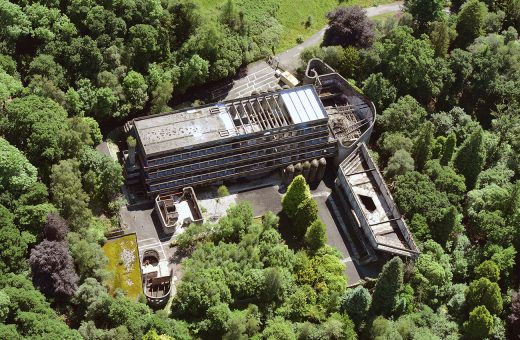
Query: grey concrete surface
{"type": "Point", "coordinates": [262, 200]}
{"type": "Point", "coordinates": [141, 219]}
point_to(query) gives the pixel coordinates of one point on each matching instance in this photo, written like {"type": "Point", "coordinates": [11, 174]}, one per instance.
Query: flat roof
{"type": "Point", "coordinates": [379, 210]}
{"type": "Point", "coordinates": [183, 128]}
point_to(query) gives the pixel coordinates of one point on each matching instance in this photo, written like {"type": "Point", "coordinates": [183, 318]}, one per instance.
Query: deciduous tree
{"type": "Point", "coordinates": [400, 163]}
{"type": "Point", "coordinates": [401, 53]}
{"type": "Point", "coordinates": [13, 244]}
{"type": "Point", "coordinates": [17, 175]}
{"type": "Point", "coordinates": [68, 195]}
{"type": "Point", "coordinates": [88, 256]}
{"type": "Point", "coordinates": [405, 116]}
{"type": "Point", "coordinates": [55, 228]}
{"type": "Point", "coordinates": [134, 86]}
{"type": "Point", "coordinates": [424, 11]}
{"type": "Point", "coordinates": [53, 269]}
{"type": "Point", "coordinates": [37, 126]}
{"type": "Point", "coordinates": [349, 26]}
{"type": "Point", "coordinates": [380, 90]}
{"type": "Point", "coordinates": [278, 328]}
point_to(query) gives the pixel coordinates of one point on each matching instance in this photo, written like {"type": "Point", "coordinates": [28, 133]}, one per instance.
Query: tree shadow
{"type": "Point", "coordinates": [288, 232]}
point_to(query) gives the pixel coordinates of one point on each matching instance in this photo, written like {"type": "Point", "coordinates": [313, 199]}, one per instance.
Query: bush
{"type": "Point", "coordinates": [222, 191]}
{"type": "Point", "coordinates": [316, 236]}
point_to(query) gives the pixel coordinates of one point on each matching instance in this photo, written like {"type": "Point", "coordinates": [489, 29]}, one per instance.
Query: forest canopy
{"type": "Point", "coordinates": [447, 139]}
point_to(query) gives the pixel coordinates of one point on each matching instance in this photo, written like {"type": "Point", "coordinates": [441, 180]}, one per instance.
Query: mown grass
{"type": "Point", "coordinates": [292, 14]}
{"type": "Point", "coordinates": [381, 18]}
{"type": "Point", "coordinates": [129, 281]}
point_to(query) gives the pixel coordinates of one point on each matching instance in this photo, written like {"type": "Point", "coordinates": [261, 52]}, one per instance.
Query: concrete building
{"type": "Point", "coordinates": [178, 209]}
{"type": "Point", "coordinates": [295, 131]}
{"type": "Point", "coordinates": [379, 226]}
{"type": "Point", "coordinates": [248, 136]}
{"type": "Point", "coordinates": [156, 278]}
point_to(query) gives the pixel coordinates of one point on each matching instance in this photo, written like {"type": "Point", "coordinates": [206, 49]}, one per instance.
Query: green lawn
{"type": "Point", "coordinates": [293, 14]}
{"type": "Point", "coordinates": [382, 17]}
{"type": "Point", "coordinates": [127, 278]}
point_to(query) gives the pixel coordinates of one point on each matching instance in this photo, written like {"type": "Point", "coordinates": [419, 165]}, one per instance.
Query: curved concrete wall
{"type": "Point", "coordinates": [321, 74]}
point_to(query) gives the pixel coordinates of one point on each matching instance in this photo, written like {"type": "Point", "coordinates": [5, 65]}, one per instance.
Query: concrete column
{"type": "Point", "coordinates": [321, 169]}
{"type": "Point", "coordinates": [131, 149]}
{"type": "Point", "coordinates": [313, 171]}
{"type": "Point", "coordinates": [306, 170]}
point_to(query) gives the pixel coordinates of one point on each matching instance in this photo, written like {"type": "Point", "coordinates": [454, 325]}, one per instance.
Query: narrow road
{"type": "Point", "coordinates": [290, 58]}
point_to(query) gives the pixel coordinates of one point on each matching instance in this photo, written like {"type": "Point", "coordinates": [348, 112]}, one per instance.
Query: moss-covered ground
{"type": "Point", "coordinates": [123, 265]}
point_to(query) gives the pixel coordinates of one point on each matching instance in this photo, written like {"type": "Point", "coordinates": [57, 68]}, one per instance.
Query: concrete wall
{"type": "Point", "coordinates": [390, 200]}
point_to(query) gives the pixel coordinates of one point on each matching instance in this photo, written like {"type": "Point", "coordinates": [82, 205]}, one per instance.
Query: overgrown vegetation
{"type": "Point", "coordinates": [447, 139]}
{"type": "Point", "coordinates": [123, 266]}
{"type": "Point", "coordinates": [444, 138]}
{"type": "Point", "coordinates": [288, 19]}
{"type": "Point", "coordinates": [242, 280]}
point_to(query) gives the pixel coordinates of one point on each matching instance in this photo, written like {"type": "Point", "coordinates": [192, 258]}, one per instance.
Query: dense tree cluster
{"type": "Point", "coordinates": [110, 61]}
{"type": "Point", "coordinates": [242, 280]}
{"type": "Point", "coordinates": [447, 138]}
{"type": "Point", "coordinates": [444, 85]}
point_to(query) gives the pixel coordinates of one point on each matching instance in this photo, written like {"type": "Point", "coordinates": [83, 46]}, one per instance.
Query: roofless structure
{"type": "Point", "coordinates": [372, 205]}
{"type": "Point", "coordinates": [178, 209]}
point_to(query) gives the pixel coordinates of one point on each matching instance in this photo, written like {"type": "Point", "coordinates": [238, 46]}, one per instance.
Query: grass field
{"type": "Point", "coordinates": [123, 264]}
{"type": "Point", "coordinates": [382, 17]}
{"type": "Point", "coordinates": [292, 14]}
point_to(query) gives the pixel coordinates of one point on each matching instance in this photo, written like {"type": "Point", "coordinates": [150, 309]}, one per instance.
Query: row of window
{"type": "Point", "coordinates": [235, 158]}
{"type": "Point", "coordinates": [243, 170]}
{"type": "Point", "coordinates": [222, 148]}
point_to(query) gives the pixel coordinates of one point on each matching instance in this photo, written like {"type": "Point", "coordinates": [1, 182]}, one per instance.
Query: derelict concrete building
{"type": "Point", "coordinates": [249, 136]}
{"type": "Point", "coordinates": [378, 225]}
{"type": "Point", "coordinates": [287, 130]}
